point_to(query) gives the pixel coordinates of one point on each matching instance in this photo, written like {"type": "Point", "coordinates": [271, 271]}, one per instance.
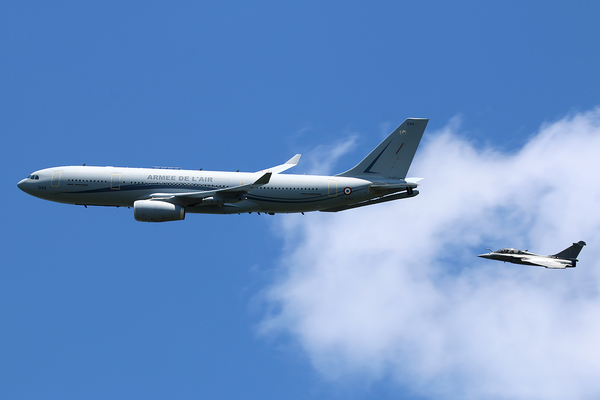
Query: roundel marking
{"type": "Point", "coordinates": [347, 191]}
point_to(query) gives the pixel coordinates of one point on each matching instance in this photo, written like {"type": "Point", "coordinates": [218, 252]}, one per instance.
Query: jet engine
{"type": "Point", "coordinates": [157, 211]}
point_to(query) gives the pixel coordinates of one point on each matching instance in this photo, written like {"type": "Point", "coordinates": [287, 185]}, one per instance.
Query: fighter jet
{"type": "Point", "coordinates": [565, 259]}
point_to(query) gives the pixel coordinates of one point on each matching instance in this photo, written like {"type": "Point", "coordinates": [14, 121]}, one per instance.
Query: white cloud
{"type": "Point", "coordinates": [395, 290]}
{"type": "Point", "coordinates": [323, 158]}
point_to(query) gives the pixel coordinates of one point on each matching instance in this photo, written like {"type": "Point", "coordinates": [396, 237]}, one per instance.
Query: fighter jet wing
{"type": "Point", "coordinates": [545, 262]}
{"type": "Point", "coordinates": [292, 162]}
{"type": "Point", "coordinates": [190, 197]}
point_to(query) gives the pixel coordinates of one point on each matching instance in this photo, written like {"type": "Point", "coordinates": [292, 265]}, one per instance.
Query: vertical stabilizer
{"type": "Point", "coordinates": [393, 156]}
{"type": "Point", "coordinates": [572, 252]}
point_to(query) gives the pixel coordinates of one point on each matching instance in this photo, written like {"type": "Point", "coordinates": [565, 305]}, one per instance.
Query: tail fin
{"type": "Point", "coordinates": [393, 156]}
{"type": "Point", "coordinates": [572, 252]}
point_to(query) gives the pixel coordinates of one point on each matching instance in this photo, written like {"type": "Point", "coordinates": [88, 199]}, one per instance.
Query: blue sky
{"type": "Point", "coordinates": [94, 304]}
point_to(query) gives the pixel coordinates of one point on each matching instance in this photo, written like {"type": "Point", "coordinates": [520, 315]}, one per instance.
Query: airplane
{"type": "Point", "coordinates": [565, 259]}
{"type": "Point", "coordinates": [168, 194]}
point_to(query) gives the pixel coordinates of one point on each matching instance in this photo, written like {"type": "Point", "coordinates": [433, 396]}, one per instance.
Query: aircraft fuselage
{"type": "Point", "coordinates": [167, 194]}
{"type": "Point", "coordinates": [121, 187]}
{"type": "Point", "coordinates": [565, 259]}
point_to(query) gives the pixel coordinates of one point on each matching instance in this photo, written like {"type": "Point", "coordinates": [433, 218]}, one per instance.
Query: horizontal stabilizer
{"type": "Point", "coordinates": [385, 188]}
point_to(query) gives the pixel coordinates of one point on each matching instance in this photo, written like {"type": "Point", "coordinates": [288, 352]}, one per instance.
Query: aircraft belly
{"type": "Point", "coordinates": [534, 263]}
{"type": "Point", "coordinates": [523, 262]}
{"type": "Point", "coordinates": [231, 208]}
{"type": "Point", "coordinates": [116, 198]}
{"type": "Point", "coordinates": [305, 203]}
{"type": "Point", "coordinates": [285, 207]}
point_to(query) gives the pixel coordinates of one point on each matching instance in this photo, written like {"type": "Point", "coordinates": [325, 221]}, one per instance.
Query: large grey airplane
{"type": "Point", "coordinates": [159, 195]}
{"type": "Point", "coordinates": [565, 259]}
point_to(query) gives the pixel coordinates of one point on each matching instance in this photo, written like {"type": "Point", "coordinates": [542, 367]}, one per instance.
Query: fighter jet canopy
{"type": "Point", "coordinates": [510, 251]}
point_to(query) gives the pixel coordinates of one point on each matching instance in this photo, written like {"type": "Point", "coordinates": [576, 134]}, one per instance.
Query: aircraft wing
{"type": "Point", "coordinates": [545, 262]}
{"type": "Point", "coordinates": [292, 162]}
{"type": "Point", "coordinates": [190, 197]}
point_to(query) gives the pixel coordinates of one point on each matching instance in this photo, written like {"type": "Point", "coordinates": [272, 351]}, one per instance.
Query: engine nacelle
{"type": "Point", "coordinates": [157, 211]}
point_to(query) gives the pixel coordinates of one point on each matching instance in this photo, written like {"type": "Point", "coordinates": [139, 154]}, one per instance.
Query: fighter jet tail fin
{"type": "Point", "coordinates": [393, 156]}
{"type": "Point", "coordinates": [572, 252]}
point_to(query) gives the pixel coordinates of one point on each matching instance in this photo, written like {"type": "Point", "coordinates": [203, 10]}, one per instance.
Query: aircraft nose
{"type": "Point", "coordinates": [486, 255]}
{"type": "Point", "coordinates": [21, 184]}
{"type": "Point", "coordinates": [25, 185]}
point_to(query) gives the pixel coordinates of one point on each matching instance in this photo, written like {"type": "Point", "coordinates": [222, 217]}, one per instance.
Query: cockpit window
{"type": "Point", "coordinates": [34, 177]}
